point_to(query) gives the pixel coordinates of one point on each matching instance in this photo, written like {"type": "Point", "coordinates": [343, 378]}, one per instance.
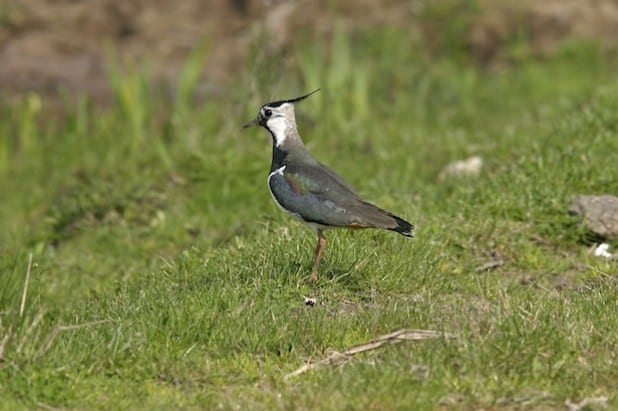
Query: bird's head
{"type": "Point", "coordinates": [273, 116]}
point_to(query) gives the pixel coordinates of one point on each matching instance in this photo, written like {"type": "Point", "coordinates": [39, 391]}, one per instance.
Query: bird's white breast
{"type": "Point", "coordinates": [280, 172]}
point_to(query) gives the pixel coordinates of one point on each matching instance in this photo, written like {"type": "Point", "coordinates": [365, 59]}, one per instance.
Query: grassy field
{"type": "Point", "coordinates": [163, 276]}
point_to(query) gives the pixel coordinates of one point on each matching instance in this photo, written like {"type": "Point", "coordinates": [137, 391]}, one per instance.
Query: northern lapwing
{"type": "Point", "coordinates": [310, 191]}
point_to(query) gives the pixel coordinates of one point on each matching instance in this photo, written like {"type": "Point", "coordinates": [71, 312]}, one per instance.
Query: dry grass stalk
{"type": "Point", "coordinates": [61, 328]}
{"type": "Point", "coordinates": [22, 307]}
{"type": "Point", "coordinates": [5, 341]}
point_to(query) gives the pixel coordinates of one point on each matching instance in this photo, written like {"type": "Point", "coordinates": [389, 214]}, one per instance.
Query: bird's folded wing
{"type": "Point", "coordinates": [319, 195]}
{"type": "Point", "coordinates": [319, 180]}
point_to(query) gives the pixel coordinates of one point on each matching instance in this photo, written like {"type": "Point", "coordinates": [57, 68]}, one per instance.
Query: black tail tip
{"type": "Point", "coordinates": [403, 227]}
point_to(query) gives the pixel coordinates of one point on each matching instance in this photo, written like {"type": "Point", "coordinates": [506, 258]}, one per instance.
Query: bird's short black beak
{"type": "Point", "coordinates": [254, 122]}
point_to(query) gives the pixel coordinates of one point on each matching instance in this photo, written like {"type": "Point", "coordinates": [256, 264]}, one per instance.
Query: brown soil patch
{"type": "Point", "coordinates": [51, 47]}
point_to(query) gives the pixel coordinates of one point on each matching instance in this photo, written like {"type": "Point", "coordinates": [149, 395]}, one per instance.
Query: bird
{"type": "Point", "coordinates": [310, 191]}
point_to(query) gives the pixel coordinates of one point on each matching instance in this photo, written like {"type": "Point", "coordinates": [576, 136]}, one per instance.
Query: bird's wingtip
{"type": "Point", "coordinates": [403, 227]}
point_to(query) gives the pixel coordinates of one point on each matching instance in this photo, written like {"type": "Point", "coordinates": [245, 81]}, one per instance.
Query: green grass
{"type": "Point", "coordinates": [164, 277]}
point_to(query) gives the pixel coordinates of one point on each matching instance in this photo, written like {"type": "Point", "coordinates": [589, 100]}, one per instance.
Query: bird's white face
{"type": "Point", "coordinates": [277, 119]}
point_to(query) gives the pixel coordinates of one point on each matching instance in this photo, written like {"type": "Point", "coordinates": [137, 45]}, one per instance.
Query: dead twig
{"type": "Point", "coordinates": [45, 406]}
{"type": "Point", "coordinates": [387, 339]}
{"type": "Point", "coordinates": [490, 265]}
{"type": "Point", "coordinates": [586, 403]}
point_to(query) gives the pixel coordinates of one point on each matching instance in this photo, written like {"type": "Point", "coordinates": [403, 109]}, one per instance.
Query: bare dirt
{"type": "Point", "coordinates": [64, 47]}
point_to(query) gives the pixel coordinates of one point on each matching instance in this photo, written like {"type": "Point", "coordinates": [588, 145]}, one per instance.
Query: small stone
{"type": "Point", "coordinates": [470, 167]}
{"type": "Point", "coordinates": [599, 213]}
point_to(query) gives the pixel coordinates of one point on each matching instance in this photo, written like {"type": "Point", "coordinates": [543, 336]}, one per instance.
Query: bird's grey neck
{"type": "Point", "coordinates": [286, 148]}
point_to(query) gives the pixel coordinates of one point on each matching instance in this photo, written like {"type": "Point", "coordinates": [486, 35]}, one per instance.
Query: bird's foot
{"type": "Point", "coordinates": [314, 277]}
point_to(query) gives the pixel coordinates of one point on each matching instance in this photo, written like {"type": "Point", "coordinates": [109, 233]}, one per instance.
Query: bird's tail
{"type": "Point", "coordinates": [403, 227]}
{"type": "Point", "coordinates": [376, 217]}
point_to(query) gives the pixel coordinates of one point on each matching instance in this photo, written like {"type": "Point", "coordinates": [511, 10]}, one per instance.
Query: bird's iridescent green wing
{"type": "Point", "coordinates": [318, 179]}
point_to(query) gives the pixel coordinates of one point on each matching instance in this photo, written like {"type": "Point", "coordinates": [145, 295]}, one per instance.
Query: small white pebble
{"type": "Point", "coordinates": [602, 251]}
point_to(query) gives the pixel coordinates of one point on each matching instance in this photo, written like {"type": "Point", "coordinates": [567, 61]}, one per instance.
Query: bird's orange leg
{"type": "Point", "coordinates": [319, 250]}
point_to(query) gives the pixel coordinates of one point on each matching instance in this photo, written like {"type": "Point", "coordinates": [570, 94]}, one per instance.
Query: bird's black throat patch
{"type": "Point", "coordinates": [279, 157]}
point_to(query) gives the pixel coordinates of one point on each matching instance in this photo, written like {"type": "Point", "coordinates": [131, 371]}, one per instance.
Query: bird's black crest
{"type": "Point", "coordinates": [292, 100]}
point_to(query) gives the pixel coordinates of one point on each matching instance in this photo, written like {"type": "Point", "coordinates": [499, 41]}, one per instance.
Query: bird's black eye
{"type": "Point", "coordinates": [268, 112]}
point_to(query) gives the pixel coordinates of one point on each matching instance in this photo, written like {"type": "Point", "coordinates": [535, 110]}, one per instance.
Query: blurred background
{"type": "Point", "coordinates": [65, 48]}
